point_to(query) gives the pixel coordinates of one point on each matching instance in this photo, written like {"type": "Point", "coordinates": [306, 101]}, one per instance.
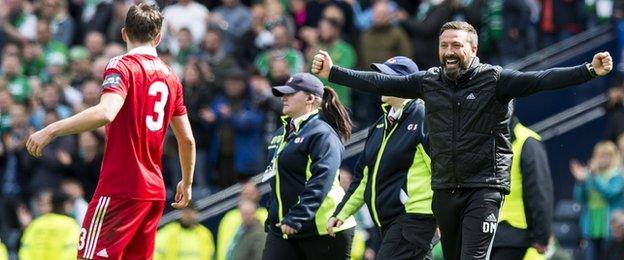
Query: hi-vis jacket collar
{"type": "Point", "coordinates": [299, 120]}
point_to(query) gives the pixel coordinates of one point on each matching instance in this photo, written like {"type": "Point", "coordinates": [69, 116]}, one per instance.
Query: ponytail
{"type": "Point", "coordinates": [335, 114]}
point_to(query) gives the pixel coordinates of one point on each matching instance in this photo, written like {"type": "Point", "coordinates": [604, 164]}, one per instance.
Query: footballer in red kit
{"type": "Point", "coordinates": [141, 96]}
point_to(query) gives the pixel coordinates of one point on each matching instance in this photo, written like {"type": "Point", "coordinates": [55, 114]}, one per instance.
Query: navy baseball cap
{"type": "Point", "coordinates": [398, 65]}
{"type": "Point", "coordinates": [300, 82]}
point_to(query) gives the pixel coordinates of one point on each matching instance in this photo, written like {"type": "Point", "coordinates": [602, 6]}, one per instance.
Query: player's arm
{"type": "Point", "coordinates": [186, 148]}
{"type": "Point", "coordinates": [87, 120]}
{"type": "Point", "coordinates": [366, 81]}
{"type": "Point", "coordinates": [513, 83]}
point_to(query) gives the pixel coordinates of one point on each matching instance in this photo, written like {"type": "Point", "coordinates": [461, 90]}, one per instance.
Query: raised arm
{"type": "Point", "coordinates": [87, 120]}
{"type": "Point", "coordinates": [513, 83]}
{"type": "Point", "coordinates": [371, 82]}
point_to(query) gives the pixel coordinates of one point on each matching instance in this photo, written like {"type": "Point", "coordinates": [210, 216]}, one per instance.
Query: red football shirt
{"type": "Point", "coordinates": [132, 166]}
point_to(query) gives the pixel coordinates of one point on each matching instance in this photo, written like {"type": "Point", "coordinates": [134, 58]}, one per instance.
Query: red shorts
{"type": "Point", "coordinates": [116, 228]}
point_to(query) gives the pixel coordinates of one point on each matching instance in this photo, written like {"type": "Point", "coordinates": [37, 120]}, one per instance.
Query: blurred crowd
{"type": "Point", "coordinates": [228, 54]}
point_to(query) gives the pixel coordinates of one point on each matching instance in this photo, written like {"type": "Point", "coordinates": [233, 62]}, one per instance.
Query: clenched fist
{"type": "Point", "coordinates": [602, 63]}
{"type": "Point", "coordinates": [322, 64]}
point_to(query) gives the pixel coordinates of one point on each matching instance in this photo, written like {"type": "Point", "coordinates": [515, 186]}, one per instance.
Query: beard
{"type": "Point", "coordinates": [454, 66]}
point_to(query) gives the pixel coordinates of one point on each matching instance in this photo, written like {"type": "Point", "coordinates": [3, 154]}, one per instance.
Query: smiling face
{"type": "Point", "coordinates": [456, 51]}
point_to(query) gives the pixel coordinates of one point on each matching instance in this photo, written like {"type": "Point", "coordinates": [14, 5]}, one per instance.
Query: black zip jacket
{"type": "Point", "coordinates": [467, 117]}
{"type": "Point", "coordinates": [305, 189]}
{"type": "Point", "coordinates": [393, 173]}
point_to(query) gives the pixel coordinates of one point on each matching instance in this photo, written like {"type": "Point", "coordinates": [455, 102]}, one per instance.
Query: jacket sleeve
{"type": "Point", "coordinates": [512, 83]}
{"type": "Point", "coordinates": [354, 199]}
{"type": "Point", "coordinates": [537, 190]}
{"type": "Point", "coordinates": [377, 83]}
{"type": "Point", "coordinates": [611, 190]}
{"type": "Point", "coordinates": [325, 153]}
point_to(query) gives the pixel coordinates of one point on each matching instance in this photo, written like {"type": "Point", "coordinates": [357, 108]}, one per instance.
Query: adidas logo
{"type": "Point", "coordinates": [491, 218]}
{"type": "Point", "coordinates": [471, 96]}
{"type": "Point", "coordinates": [102, 253]}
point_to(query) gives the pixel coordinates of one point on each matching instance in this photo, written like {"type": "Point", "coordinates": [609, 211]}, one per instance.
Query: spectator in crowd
{"type": "Point", "coordinates": [184, 239]}
{"type": "Point", "coordinates": [255, 39]}
{"type": "Point", "coordinates": [50, 101]}
{"type": "Point", "coordinates": [6, 101]}
{"type": "Point", "coordinates": [114, 49]}
{"type": "Point", "coordinates": [98, 67]}
{"type": "Point", "coordinates": [363, 18]}
{"type": "Point", "coordinates": [615, 247]}
{"type": "Point", "coordinates": [80, 65]}
{"type": "Point", "coordinates": [90, 95]}
{"type": "Point", "coordinates": [74, 190]}
{"type": "Point", "coordinates": [120, 8]}
{"type": "Point", "coordinates": [235, 19]}
{"type": "Point", "coordinates": [198, 92]}
{"type": "Point", "coordinates": [514, 43]}
{"type": "Point", "coordinates": [52, 235]}
{"type": "Point", "coordinates": [17, 170]}
{"type": "Point", "coordinates": [17, 84]}
{"type": "Point", "coordinates": [279, 71]}
{"type": "Point", "coordinates": [237, 141]}
{"type": "Point", "coordinates": [281, 49]}
{"type": "Point", "coordinates": [17, 21]}
{"type": "Point", "coordinates": [88, 161]}
{"type": "Point", "coordinates": [615, 108]}
{"type": "Point", "coordinates": [423, 27]}
{"type": "Point", "coordinates": [381, 42]}
{"type": "Point", "coordinates": [56, 161]}
{"type": "Point", "coordinates": [62, 25]}
{"type": "Point", "coordinates": [269, 105]}
{"type": "Point", "coordinates": [186, 48]}
{"type": "Point", "coordinates": [314, 13]}
{"type": "Point", "coordinates": [233, 219]}
{"type": "Point", "coordinates": [95, 43]}
{"type": "Point", "coordinates": [248, 242]}
{"type": "Point", "coordinates": [91, 16]}
{"type": "Point", "coordinates": [185, 13]}
{"type": "Point", "coordinates": [600, 189]}
{"type": "Point", "coordinates": [327, 37]}
{"type": "Point", "coordinates": [561, 24]}
{"type": "Point", "coordinates": [34, 62]}
{"type": "Point", "coordinates": [214, 54]}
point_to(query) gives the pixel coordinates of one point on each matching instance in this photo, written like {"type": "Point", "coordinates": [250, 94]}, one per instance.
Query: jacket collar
{"type": "Point", "coordinates": [299, 121]}
{"type": "Point", "coordinates": [467, 74]}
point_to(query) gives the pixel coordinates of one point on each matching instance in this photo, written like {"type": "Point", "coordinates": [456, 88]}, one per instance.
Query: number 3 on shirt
{"type": "Point", "coordinates": [155, 124]}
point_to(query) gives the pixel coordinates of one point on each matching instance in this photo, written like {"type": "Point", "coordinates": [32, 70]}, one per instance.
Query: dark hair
{"type": "Point", "coordinates": [59, 199]}
{"type": "Point", "coordinates": [473, 38]}
{"type": "Point", "coordinates": [335, 114]}
{"type": "Point", "coordinates": [143, 22]}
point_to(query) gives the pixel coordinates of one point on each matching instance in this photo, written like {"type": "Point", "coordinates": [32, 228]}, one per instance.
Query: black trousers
{"type": "Point", "coordinates": [310, 248]}
{"type": "Point", "coordinates": [408, 237]}
{"type": "Point", "coordinates": [467, 219]}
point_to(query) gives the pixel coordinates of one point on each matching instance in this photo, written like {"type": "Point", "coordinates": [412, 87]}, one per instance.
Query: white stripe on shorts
{"type": "Point", "coordinates": [95, 227]}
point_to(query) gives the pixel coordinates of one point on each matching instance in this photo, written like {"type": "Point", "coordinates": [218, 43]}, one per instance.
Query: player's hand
{"type": "Point", "coordinates": [602, 63]}
{"type": "Point", "coordinates": [332, 223]}
{"type": "Point", "coordinates": [322, 64]}
{"type": "Point", "coordinates": [37, 141]}
{"type": "Point", "coordinates": [540, 248]}
{"type": "Point", "coordinates": [183, 195]}
{"type": "Point", "coordinates": [286, 229]}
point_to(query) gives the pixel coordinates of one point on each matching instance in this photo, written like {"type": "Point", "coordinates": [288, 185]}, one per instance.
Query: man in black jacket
{"type": "Point", "coordinates": [468, 108]}
{"type": "Point", "coordinates": [526, 217]}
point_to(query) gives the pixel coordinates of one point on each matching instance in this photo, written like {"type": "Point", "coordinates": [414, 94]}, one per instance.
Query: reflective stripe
{"type": "Point", "coordinates": [356, 200]}
{"type": "Point", "coordinates": [419, 183]}
{"type": "Point", "coordinates": [374, 177]}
